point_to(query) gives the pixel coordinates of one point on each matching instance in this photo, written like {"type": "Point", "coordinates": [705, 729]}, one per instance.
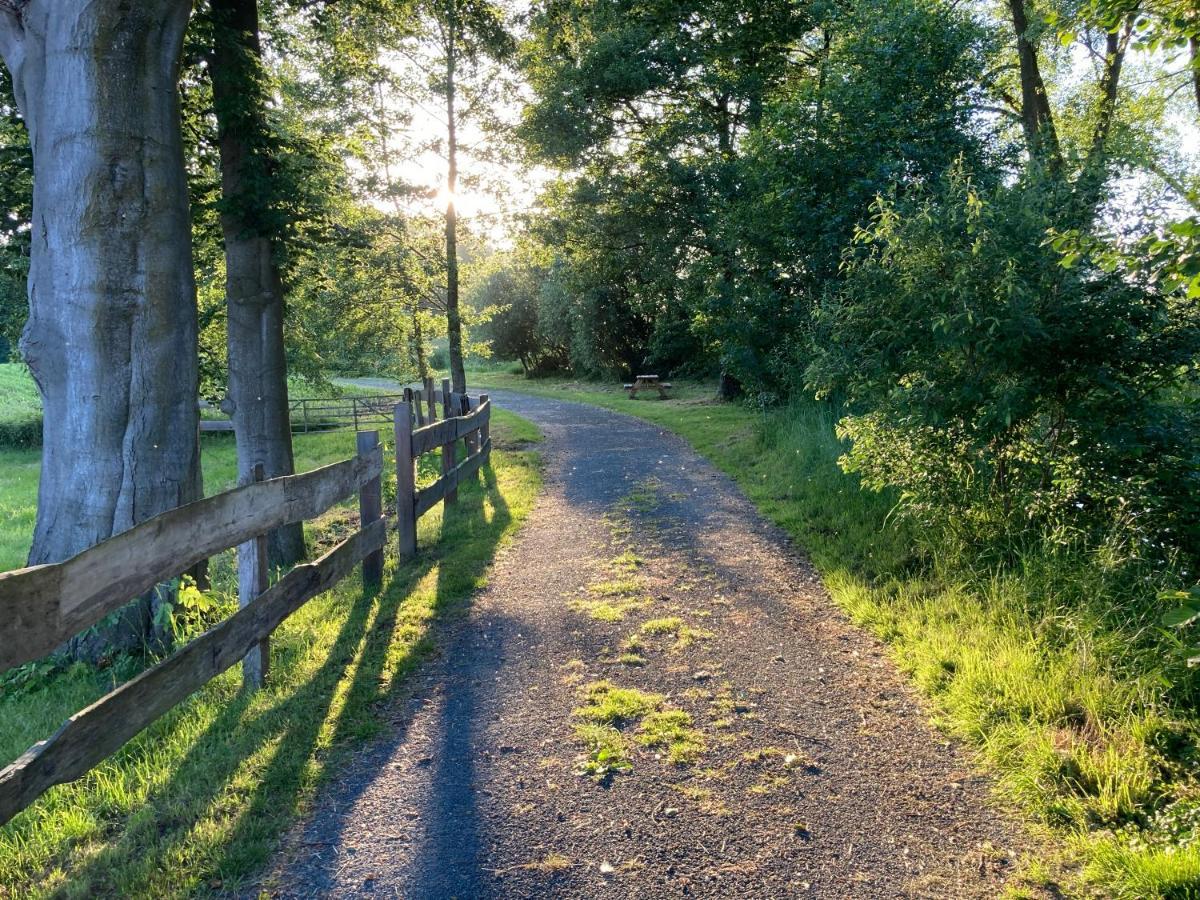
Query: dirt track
{"type": "Point", "coordinates": [818, 777]}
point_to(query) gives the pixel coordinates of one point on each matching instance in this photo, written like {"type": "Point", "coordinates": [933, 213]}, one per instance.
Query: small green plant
{"type": "Point", "coordinates": [1183, 616]}
{"type": "Point", "coordinates": [611, 705]}
{"type": "Point", "coordinates": [187, 611]}
{"type": "Point", "coordinates": [671, 729]}
{"type": "Point", "coordinates": [669, 625]}
{"type": "Point", "coordinates": [606, 754]}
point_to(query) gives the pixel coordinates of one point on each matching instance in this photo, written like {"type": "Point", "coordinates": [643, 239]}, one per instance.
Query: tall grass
{"type": "Point", "coordinates": [1042, 656]}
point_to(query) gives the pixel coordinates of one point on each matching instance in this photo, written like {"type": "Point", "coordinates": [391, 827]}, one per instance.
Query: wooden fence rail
{"type": "Point", "coordinates": [84, 589]}
{"type": "Point", "coordinates": [43, 606]}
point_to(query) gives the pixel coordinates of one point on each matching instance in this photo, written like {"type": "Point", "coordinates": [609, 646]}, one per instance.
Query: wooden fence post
{"type": "Point", "coordinates": [253, 580]}
{"type": "Point", "coordinates": [370, 509]}
{"type": "Point", "coordinates": [430, 400]}
{"type": "Point", "coordinates": [418, 402]}
{"type": "Point", "coordinates": [485, 431]}
{"type": "Point", "coordinates": [406, 514]}
{"type": "Point", "coordinates": [471, 441]}
{"type": "Point", "coordinates": [449, 449]}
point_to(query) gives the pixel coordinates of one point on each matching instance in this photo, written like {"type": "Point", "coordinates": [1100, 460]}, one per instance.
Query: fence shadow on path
{"type": "Point", "coordinates": [446, 807]}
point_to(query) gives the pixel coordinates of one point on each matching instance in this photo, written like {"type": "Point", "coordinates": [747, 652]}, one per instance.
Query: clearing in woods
{"type": "Point", "coordinates": [653, 696]}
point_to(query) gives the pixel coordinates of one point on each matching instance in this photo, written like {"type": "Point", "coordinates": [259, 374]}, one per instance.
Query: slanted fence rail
{"type": "Point", "coordinates": [43, 606]}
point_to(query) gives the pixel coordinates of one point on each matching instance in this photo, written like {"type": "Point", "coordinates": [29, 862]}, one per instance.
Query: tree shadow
{"type": "Point", "coordinates": [291, 730]}
{"type": "Point", "coordinates": [448, 850]}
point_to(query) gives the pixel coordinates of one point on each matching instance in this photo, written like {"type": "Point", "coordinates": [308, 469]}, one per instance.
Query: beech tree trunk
{"type": "Point", "coordinates": [258, 394]}
{"type": "Point", "coordinates": [458, 374]}
{"type": "Point", "coordinates": [111, 338]}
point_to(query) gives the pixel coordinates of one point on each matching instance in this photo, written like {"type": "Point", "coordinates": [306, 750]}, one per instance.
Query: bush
{"type": "Point", "coordinates": [20, 408]}
{"type": "Point", "coordinates": [998, 388]}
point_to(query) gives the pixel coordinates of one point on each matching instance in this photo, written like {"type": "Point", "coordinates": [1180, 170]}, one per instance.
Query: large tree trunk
{"type": "Point", "coordinates": [1041, 135]}
{"type": "Point", "coordinates": [458, 374]}
{"type": "Point", "coordinates": [111, 336]}
{"type": "Point", "coordinates": [258, 395]}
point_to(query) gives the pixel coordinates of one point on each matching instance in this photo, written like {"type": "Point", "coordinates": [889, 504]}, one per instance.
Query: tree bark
{"type": "Point", "coordinates": [1089, 188]}
{"type": "Point", "coordinates": [458, 375]}
{"type": "Point", "coordinates": [111, 338]}
{"type": "Point", "coordinates": [728, 387]}
{"type": "Point", "coordinates": [1041, 136]}
{"type": "Point", "coordinates": [1194, 43]}
{"type": "Point", "coordinates": [258, 393]}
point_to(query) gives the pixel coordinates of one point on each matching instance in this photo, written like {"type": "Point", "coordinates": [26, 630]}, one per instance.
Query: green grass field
{"type": "Point", "coordinates": [1048, 668]}
{"type": "Point", "coordinates": [20, 407]}
{"type": "Point", "coordinates": [197, 802]}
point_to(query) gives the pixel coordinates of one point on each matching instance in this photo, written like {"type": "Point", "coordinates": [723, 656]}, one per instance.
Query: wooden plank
{"type": "Point", "coordinates": [90, 736]}
{"type": "Point", "coordinates": [464, 410]}
{"type": "Point", "coordinates": [428, 498]}
{"type": "Point", "coordinates": [450, 448]}
{"type": "Point", "coordinates": [433, 436]}
{"type": "Point", "coordinates": [418, 408]}
{"type": "Point", "coordinates": [42, 606]}
{"type": "Point", "coordinates": [370, 509]}
{"type": "Point", "coordinates": [485, 429]}
{"type": "Point", "coordinates": [406, 495]}
{"type": "Point", "coordinates": [254, 577]}
{"type": "Point", "coordinates": [430, 399]}
{"type": "Point", "coordinates": [207, 425]}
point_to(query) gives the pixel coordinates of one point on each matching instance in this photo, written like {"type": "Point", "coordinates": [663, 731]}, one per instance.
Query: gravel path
{"type": "Point", "coordinates": [819, 775]}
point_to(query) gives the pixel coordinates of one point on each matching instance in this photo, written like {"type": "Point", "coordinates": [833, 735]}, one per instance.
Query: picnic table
{"type": "Point", "coordinates": [647, 383]}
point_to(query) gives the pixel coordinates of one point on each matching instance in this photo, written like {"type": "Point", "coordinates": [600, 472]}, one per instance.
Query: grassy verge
{"type": "Point", "coordinates": [197, 802]}
{"type": "Point", "coordinates": [1050, 666]}
{"type": "Point", "coordinates": [20, 408]}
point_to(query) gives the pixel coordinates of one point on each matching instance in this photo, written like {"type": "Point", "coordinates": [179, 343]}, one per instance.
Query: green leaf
{"type": "Point", "coordinates": [1180, 616]}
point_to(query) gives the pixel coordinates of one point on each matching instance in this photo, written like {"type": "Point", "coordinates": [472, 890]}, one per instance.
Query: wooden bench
{"type": "Point", "coordinates": [647, 383]}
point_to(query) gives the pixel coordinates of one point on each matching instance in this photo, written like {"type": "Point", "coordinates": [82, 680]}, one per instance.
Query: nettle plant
{"type": "Point", "coordinates": [1182, 618]}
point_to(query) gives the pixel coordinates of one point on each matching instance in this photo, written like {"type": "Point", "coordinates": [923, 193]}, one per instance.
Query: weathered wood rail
{"type": "Point", "coordinates": [43, 606]}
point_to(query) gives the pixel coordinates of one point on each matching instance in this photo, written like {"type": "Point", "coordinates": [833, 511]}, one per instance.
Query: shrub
{"type": "Point", "coordinates": [997, 387]}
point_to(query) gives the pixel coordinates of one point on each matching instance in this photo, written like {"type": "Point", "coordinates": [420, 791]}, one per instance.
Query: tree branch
{"type": "Point", "coordinates": [12, 33]}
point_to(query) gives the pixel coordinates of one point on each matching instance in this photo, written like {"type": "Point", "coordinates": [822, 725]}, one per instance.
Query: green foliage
{"type": "Point", "coordinates": [1002, 391]}
{"type": "Point", "coordinates": [509, 290]}
{"type": "Point", "coordinates": [16, 202]}
{"type": "Point", "coordinates": [20, 407]}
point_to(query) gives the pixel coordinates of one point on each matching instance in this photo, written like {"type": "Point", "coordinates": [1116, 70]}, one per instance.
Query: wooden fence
{"type": "Point", "coordinates": [43, 606]}
{"type": "Point", "coordinates": [459, 422]}
{"type": "Point", "coordinates": [325, 414]}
